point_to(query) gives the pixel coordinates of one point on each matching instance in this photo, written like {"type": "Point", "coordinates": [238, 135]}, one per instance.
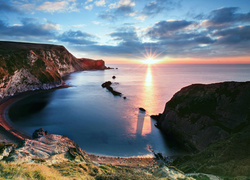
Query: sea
{"type": "Point", "coordinates": [104, 124]}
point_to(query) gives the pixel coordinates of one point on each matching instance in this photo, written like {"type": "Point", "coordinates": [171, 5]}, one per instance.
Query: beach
{"type": "Point", "coordinates": [9, 135]}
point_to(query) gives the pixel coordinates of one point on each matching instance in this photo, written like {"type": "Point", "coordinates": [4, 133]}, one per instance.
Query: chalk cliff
{"type": "Point", "coordinates": [29, 66]}
{"type": "Point", "coordinates": [201, 114]}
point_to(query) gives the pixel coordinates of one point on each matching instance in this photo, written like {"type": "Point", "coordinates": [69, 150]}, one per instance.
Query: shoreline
{"type": "Point", "coordinates": [6, 127]}
{"type": "Point", "coordinates": [10, 135]}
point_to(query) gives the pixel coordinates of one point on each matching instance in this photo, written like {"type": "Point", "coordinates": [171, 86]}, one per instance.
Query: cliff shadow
{"type": "Point", "coordinates": [29, 105]}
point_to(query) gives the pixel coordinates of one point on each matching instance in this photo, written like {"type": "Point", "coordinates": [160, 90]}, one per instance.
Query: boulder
{"type": "Point", "coordinates": [142, 109]}
{"type": "Point", "coordinates": [106, 84]}
{"type": "Point", "coordinates": [39, 133]}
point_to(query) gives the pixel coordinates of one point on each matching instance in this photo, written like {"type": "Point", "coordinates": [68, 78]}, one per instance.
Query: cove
{"type": "Point", "coordinates": [103, 124]}
{"type": "Point", "coordinates": [96, 120]}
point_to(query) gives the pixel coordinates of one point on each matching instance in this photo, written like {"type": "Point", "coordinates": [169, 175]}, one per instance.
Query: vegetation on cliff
{"type": "Point", "coordinates": [54, 156]}
{"type": "Point", "coordinates": [227, 158]}
{"type": "Point", "coordinates": [28, 66]}
{"type": "Point", "coordinates": [214, 120]}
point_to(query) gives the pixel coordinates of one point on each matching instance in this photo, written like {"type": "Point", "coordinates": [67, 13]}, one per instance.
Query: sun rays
{"type": "Point", "coordinates": [150, 56]}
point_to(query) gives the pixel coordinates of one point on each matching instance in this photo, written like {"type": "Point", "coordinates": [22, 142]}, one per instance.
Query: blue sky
{"type": "Point", "coordinates": [129, 29]}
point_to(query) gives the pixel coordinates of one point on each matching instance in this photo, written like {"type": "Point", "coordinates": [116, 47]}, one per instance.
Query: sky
{"type": "Point", "coordinates": [169, 31]}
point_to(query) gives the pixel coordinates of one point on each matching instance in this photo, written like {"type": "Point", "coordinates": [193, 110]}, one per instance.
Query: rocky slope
{"type": "Point", "coordinates": [228, 158]}
{"type": "Point", "coordinates": [27, 66]}
{"type": "Point", "coordinates": [214, 120]}
{"type": "Point", "coordinates": [49, 148]}
{"type": "Point", "coordinates": [64, 158]}
{"type": "Point", "coordinates": [200, 114]}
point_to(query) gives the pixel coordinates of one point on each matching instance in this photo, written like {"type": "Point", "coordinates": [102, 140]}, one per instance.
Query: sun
{"type": "Point", "coordinates": [149, 61]}
{"type": "Point", "coordinates": [150, 56]}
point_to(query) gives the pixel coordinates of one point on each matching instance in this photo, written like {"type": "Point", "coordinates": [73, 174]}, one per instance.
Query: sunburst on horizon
{"type": "Point", "coordinates": [150, 56]}
{"type": "Point", "coordinates": [150, 61]}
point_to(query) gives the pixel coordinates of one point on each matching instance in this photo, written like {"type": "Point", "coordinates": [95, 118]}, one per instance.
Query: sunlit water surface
{"type": "Point", "coordinates": [103, 124]}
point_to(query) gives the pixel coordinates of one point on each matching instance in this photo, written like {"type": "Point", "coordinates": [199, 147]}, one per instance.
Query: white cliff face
{"type": "Point", "coordinates": [21, 81]}
{"type": "Point", "coordinates": [32, 57]}
{"type": "Point", "coordinates": [62, 63]}
{"type": "Point", "coordinates": [27, 66]}
{"type": "Point", "coordinates": [35, 69]}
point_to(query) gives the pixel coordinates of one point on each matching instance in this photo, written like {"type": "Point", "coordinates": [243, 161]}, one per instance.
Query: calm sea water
{"type": "Point", "coordinates": [103, 124]}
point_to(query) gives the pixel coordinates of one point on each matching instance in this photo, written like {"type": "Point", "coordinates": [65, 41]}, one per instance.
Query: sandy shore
{"type": "Point", "coordinates": [9, 135]}
{"type": "Point", "coordinates": [7, 132]}
{"type": "Point", "coordinates": [145, 162]}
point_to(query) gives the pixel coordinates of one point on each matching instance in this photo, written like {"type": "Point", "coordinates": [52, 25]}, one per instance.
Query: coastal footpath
{"type": "Point", "coordinates": [214, 121]}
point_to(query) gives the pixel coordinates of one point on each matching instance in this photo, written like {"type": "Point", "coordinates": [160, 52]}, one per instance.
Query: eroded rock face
{"type": "Point", "coordinates": [51, 148]}
{"type": "Point", "coordinates": [5, 149]}
{"type": "Point", "coordinates": [90, 64]}
{"type": "Point", "coordinates": [200, 114]}
{"type": "Point", "coordinates": [27, 66]}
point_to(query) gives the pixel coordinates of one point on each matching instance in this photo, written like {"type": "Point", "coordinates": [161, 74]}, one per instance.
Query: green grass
{"type": "Point", "coordinates": [71, 170]}
{"type": "Point", "coordinates": [27, 171]}
{"type": "Point", "coordinates": [228, 158]}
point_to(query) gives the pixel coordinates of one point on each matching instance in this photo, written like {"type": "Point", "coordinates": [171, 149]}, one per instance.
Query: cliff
{"type": "Point", "coordinates": [214, 120]}
{"type": "Point", "coordinates": [29, 66]}
{"type": "Point", "coordinates": [200, 114]}
{"type": "Point", "coordinates": [90, 64]}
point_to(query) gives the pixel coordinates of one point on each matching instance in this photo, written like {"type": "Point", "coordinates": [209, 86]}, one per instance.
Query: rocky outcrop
{"type": "Point", "coordinates": [200, 114]}
{"type": "Point", "coordinates": [90, 64]}
{"type": "Point", "coordinates": [142, 109]}
{"type": "Point", "coordinates": [50, 148]}
{"type": "Point", "coordinates": [39, 133]}
{"type": "Point", "coordinates": [28, 66]}
{"type": "Point", "coordinates": [170, 173]}
{"type": "Point", "coordinates": [5, 149]}
{"type": "Point", "coordinates": [107, 85]}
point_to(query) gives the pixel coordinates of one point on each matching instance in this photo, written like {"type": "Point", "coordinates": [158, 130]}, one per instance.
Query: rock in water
{"type": "Point", "coordinates": [106, 84]}
{"type": "Point", "coordinates": [142, 109]}
{"type": "Point", "coordinates": [113, 77]}
{"type": "Point", "coordinates": [156, 117]}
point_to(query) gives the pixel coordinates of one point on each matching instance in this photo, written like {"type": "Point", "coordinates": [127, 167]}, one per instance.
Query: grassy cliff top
{"type": "Point", "coordinates": [8, 45]}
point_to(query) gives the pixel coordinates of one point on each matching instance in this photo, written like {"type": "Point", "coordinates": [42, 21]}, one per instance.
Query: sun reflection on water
{"type": "Point", "coordinates": [148, 80]}
{"type": "Point", "coordinates": [144, 124]}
